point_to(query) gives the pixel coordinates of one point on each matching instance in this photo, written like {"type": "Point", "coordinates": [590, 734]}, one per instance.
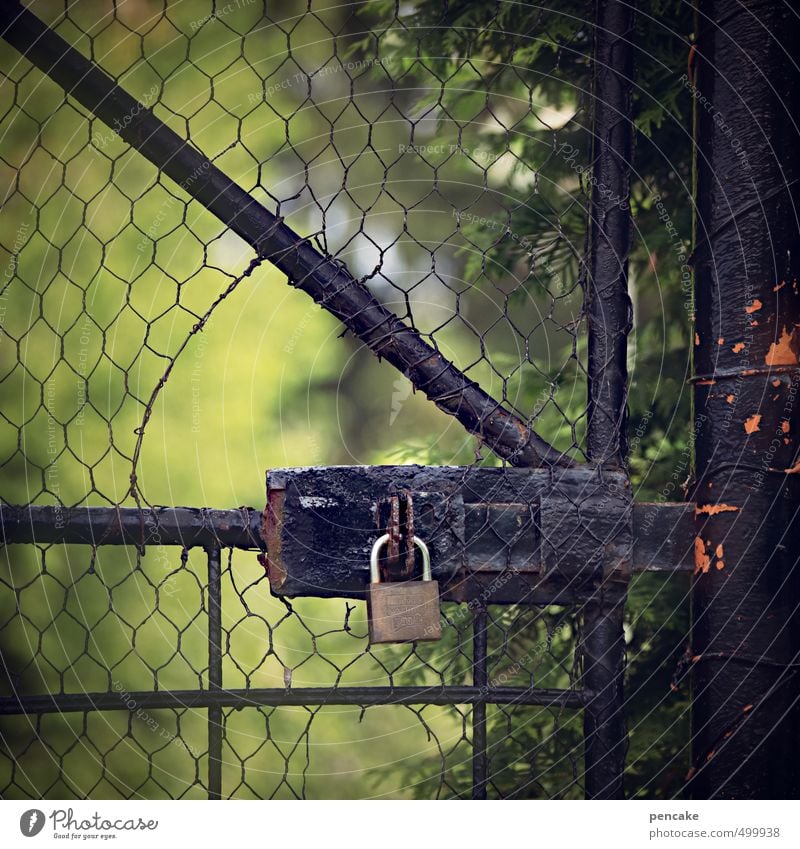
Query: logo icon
{"type": "Point", "coordinates": [31, 822]}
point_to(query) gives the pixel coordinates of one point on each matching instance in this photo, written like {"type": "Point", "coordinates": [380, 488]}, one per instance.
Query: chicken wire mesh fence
{"type": "Point", "coordinates": [444, 186]}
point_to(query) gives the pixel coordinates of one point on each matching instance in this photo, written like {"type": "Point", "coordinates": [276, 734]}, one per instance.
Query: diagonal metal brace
{"type": "Point", "coordinates": [327, 281]}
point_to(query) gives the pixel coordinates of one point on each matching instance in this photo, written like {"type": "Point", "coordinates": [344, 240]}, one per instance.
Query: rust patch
{"type": "Point", "coordinates": [702, 561]}
{"type": "Point", "coordinates": [785, 426]}
{"type": "Point", "coordinates": [696, 338]}
{"type": "Point", "coordinates": [713, 509]}
{"type": "Point", "coordinates": [709, 382]}
{"type": "Point", "coordinates": [719, 553]}
{"type": "Point", "coordinates": [751, 425]}
{"type": "Point", "coordinates": [271, 532]}
{"type": "Point", "coordinates": [782, 353]}
{"type": "Point", "coordinates": [795, 470]}
{"type": "Point", "coordinates": [720, 341]}
{"type": "Point", "coordinates": [754, 307]}
{"type": "Point", "coordinates": [729, 398]}
{"type": "Point", "coordinates": [739, 346]}
{"type": "Point", "coordinates": [779, 286]}
{"type": "Point", "coordinates": [776, 382]}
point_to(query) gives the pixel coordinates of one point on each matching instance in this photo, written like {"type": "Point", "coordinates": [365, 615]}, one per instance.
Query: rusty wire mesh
{"type": "Point", "coordinates": [84, 620]}
{"type": "Point", "coordinates": [456, 194]}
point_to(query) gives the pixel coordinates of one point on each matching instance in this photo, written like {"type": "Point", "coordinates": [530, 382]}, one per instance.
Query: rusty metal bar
{"type": "Point", "coordinates": [186, 527]}
{"type": "Point", "coordinates": [326, 280]}
{"type": "Point", "coordinates": [214, 671]}
{"type": "Point", "coordinates": [178, 699]}
{"type": "Point", "coordinates": [663, 533]}
{"type": "Point", "coordinates": [608, 307]}
{"type": "Point", "coordinates": [609, 314]}
{"type": "Point", "coordinates": [480, 757]}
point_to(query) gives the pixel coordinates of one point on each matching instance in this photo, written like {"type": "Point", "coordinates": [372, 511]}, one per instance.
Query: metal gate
{"type": "Point", "coordinates": [181, 652]}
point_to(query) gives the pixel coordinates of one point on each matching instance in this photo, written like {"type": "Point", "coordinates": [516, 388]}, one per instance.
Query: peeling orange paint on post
{"type": "Point", "coordinates": [719, 553]}
{"type": "Point", "coordinates": [739, 346]}
{"type": "Point", "coordinates": [702, 562]}
{"type": "Point", "coordinates": [751, 425]}
{"type": "Point", "coordinates": [779, 286]}
{"type": "Point", "coordinates": [780, 353]}
{"type": "Point", "coordinates": [713, 509]}
{"type": "Point", "coordinates": [696, 338]}
{"type": "Point", "coordinates": [754, 307]}
{"type": "Point", "coordinates": [709, 382]}
{"type": "Point", "coordinates": [785, 426]}
{"type": "Point", "coordinates": [720, 341]}
{"type": "Point", "coordinates": [729, 398]}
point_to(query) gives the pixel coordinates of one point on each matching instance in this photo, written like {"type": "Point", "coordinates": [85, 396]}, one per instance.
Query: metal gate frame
{"type": "Point", "coordinates": [332, 286]}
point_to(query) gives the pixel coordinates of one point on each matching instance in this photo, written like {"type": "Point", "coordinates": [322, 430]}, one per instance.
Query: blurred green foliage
{"type": "Point", "coordinates": [111, 265]}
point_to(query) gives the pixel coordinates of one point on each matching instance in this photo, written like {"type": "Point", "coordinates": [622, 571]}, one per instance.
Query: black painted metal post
{"type": "Point", "coordinates": [609, 317]}
{"type": "Point", "coordinates": [214, 671]}
{"type": "Point", "coordinates": [480, 759]}
{"type": "Point", "coordinates": [746, 590]}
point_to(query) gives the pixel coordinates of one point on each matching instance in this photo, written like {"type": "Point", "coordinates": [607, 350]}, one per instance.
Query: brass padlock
{"type": "Point", "coordinates": [403, 612]}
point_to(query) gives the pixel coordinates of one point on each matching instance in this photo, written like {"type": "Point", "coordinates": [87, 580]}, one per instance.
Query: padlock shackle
{"type": "Point", "coordinates": [374, 571]}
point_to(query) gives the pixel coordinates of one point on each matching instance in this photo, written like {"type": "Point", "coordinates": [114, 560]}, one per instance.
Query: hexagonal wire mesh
{"type": "Point", "coordinates": [453, 190]}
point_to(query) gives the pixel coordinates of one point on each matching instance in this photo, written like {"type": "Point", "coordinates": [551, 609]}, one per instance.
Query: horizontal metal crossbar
{"type": "Point", "coordinates": [662, 533]}
{"type": "Point", "coordinates": [187, 527]}
{"type": "Point", "coordinates": [315, 696]}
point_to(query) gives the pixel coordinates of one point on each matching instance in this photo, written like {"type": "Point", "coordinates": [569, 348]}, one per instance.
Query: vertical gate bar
{"type": "Point", "coordinates": [214, 671]}
{"type": "Point", "coordinates": [745, 621]}
{"type": "Point", "coordinates": [480, 759]}
{"type": "Point", "coordinates": [604, 719]}
{"type": "Point", "coordinates": [608, 310]}
{"type": "Point", "coordinates": [608, 307]}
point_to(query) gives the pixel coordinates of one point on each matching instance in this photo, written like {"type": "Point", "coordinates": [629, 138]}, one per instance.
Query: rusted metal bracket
{"type": "Point", "coordinates": [499, 535]}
